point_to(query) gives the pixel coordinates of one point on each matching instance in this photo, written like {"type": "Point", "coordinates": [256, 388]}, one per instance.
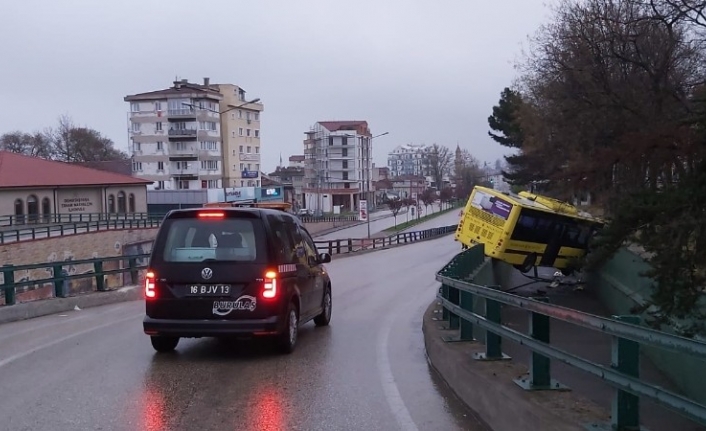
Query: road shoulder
{"type": "Point", "coordinates": [488, 387]}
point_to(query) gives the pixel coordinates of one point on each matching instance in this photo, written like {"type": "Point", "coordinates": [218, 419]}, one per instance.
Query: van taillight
{"type": "Point", "coordinates": [270, 290]}
{"type": "Point", "coordinates": [149, 285]}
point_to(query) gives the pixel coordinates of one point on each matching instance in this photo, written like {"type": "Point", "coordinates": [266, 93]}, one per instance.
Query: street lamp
{"type": "Point", "coordinates": [370, 147]}
{"type": "Point", "coordinates": [223, 155]}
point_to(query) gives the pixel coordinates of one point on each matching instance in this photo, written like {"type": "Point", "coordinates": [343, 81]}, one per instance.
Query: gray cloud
{"type": "Point", "coordinates": [424, 71]}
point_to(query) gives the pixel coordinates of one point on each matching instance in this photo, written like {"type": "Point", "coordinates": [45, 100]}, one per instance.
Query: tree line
{"type": "Point", "coordinates": [610, 102]}
{"type": "Point", "coordinates": [66, 142]}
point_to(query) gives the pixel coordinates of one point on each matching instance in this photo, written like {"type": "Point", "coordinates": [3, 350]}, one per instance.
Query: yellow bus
{"type": "Point", "coordinates": [525, 230]}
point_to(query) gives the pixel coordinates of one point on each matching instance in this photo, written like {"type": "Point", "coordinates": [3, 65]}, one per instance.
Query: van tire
{"type": "Point", "coordinates": [287, 340]}
{"type": "Point", "coordinates": [164, 344]}
{"type": "Point", "coordinates": [324, 318]}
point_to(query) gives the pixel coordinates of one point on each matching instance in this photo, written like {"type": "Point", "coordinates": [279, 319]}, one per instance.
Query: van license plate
{"type": "Point", "coordinates": [208, 290]}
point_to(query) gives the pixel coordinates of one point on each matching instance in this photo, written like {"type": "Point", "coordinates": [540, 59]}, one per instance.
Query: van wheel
{"type": "Point", "coordinates": [287, 340]}
{"type": "Point", "coordinates": [164, 344]}
{"type": "Point", "coordinates": [324, 318]}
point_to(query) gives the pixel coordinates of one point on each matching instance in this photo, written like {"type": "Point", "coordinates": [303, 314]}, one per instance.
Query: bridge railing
{"type": "Point", "coordinates": [78, 217]}
{"type": "Point", "coordinates": [100, 273]}
{"type": "Point", "coordinates": [96, 222]}
{"type": "Point", "coordinates": [37, 232]}
{"type": "Point", "coordinates": [351, 245]}
{"type": "Point", "coordinates": [459, 293]}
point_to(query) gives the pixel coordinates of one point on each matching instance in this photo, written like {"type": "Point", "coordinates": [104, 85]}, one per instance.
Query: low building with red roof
{"type": "Point", "coordinates": [33, 189]}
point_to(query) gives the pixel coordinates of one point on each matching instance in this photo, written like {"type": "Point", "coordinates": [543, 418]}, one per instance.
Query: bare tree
{"type": "Point", "coordinates": [81, 144]}
{"type": "Point", "coordinates": [437, 163]}
{"type": "Point", "coordinates": [30, 144]}
{"type": "Point", "coordinates": [395, 206]}
{"type": "Point", "coordinates": [428, 197]}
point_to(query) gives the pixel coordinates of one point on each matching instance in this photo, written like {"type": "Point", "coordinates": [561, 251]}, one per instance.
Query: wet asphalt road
{"type": "Point", "coordinates": [95, 370]}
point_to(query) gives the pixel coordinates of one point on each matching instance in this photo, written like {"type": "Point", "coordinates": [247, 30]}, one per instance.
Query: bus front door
{"type": "Point", "coordinates": [553, 246]}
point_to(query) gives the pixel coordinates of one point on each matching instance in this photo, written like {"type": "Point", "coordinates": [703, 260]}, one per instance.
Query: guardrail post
{"type": "Point", "coordinates": [350, 245]}
{"type": "Point", "coordinates": [100, 278]}
{"type": "Point", "coordinates": [540, 365]}
{"type": "Point", "coordinates": [454, 298]}
{"type": "Point", "coordinates": [132, 264]}
{"type": "Point", "coordinates": [58, 281]}
{"type": "Point", "coordinates": [466, 327]}
{"type": "Point", "coordinates": [8, 273]}
{"type": "Point", "coordinates": [493, 342]}
{"type": "Point", "coordinates": [625, 358]}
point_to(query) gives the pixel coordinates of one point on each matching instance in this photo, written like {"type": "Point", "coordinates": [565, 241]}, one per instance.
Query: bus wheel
{"type": "Point", "coordinates": [528, 264]}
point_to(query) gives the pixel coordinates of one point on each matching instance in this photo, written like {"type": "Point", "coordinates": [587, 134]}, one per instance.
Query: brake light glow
{"type": "Point", "coordinates": [270, 290]}
{"type": "Point", "coordinates": [210, 214]}
{"type": "Point", "coordinates": [149, 285]}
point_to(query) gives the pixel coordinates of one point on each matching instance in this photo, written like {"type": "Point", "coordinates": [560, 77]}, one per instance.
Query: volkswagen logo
{"type": "Point", "coordinates": [206, 273]}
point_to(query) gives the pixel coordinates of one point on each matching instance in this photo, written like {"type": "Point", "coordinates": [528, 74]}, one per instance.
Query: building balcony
{"type": "Point", "coordinates": [180, 114]}
{"type": "Point", "coordinates": [182, 133]}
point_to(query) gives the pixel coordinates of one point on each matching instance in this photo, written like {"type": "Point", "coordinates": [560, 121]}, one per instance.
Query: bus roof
{"type": "Point", "coordinates": [524, 202]}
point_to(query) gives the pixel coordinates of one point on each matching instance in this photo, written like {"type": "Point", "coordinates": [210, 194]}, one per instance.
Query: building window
{"type": "Point", "coordinates": [247, 132]}
{"type": "Point", "coordinates": [249, 148]}
{"type": "Point", "coordinates": [257, 167]}
{"type": "Point", "coordinates": [46, 209]}
{"type": "Point", "coordinates": [241, 148]}
{"type": "Point", "coordinates": [160, 146]}
{"type": "Point", "coordinates": [160, 166]}
{"type": "Point", "coordinates": [233, 134]}
{"type": "Point", "coordinates": [157, 106]}
{"type": "Point", "coordinates": [158, 126]}
{"type": "Point", "coordinates": [32, 208]}
{"type": "Point", "coordinates": [240, 131]}
{"type": "Point", "coordinates": [240, 113]}
{"type": "Point", "coordinates": [257, 150]}
{"type": "Point", "coordinates": [135, 107]}
{"type": "Point", "coordinates": [122, 207]}
{"type": "Point", "coordinates": [257, 133]}
{"type": "Point", "coordinates": [257, 116]}
{"type": "Point", "coordinates": [131, 203]}
{"type": "Point", "coordinates": [242, 167]}
{"type": "Point", "coordinates": [137, 166]}
{"type": "Point", "coordinates": [111, 204]}
{"type": "Point", "coordinates": [135, 127]}
{"type": "Point", "coordinates": [19, 211]}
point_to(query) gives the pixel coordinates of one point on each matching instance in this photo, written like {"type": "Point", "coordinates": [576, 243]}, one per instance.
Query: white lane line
{"type": "Point", "coordinates": [54, 320]}
{"type": "Point", "coordinates": [392, 392]}
{"type": "Point", "coordinates": [21, 355]}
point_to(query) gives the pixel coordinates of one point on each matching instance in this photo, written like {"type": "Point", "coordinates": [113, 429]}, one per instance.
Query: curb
{"type": "Point", "coordinates": [44, 307]}
{"type": "Point", "coordinates": [488, 389]}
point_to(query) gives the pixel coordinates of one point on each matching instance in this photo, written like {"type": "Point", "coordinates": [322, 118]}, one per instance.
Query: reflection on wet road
{"type": "Point", "coordinates": [95, 369]}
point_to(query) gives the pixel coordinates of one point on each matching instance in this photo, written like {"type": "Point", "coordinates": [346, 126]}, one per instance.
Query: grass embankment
{"type": "Point", "coordinates": [419, 220]}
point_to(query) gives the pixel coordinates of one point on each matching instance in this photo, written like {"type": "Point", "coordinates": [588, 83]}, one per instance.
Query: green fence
{"type": "Point", "coordinates": [58, 278]}
{"type": "Point", "coordinates": [460, 295]}
{"type": "Point", "coordinates": [36, 219]}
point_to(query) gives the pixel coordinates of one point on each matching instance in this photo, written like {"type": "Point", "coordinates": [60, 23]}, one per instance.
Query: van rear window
{"type": "Point", "coordinates": [229, 239]}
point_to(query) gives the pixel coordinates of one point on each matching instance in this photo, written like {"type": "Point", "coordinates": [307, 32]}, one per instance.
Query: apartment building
{"type": "Point", "coordinates": [337, 165]}
{"type": "Point", "coordinates": [406, 160]}
{"type": "Point", "coordinates": [181, 136]}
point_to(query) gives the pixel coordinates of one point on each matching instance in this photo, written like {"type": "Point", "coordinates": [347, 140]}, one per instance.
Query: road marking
{"type": "Point", "coordinates": [392, 392]}
{"type": "Point", "coordinates": [21, 355]}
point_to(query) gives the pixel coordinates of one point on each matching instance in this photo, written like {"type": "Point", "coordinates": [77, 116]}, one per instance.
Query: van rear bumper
{"type": "Point", "coordinates": [210, 328]}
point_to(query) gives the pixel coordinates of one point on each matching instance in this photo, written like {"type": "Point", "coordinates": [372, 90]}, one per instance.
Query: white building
{"type": "Point", "coordinates": [177, 135]}
{"type": "Point", "coordinates": [406, 160]}
{"type": "Point", "coordinates": [338, 165]}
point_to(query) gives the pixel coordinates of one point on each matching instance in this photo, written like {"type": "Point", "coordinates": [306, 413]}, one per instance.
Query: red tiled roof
{"type": "Point", "coordinates": [18, 170]}
{"type": "Point", "coordinates": [359, 126]}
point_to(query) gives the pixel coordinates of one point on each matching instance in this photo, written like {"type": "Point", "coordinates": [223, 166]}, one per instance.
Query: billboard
{"type": "Point", "coordinates": [491, 204]}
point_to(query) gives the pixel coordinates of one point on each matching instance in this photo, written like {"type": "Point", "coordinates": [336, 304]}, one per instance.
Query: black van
{"type": "Point", "coordinates": [218, 272]}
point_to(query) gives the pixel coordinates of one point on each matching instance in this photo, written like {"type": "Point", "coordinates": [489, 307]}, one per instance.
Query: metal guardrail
{"type": "Point", "coordinates": [71, 224]}
{"type": "Point", "coordinates": [58, 277]}
{"type": "Point", "coordinates": [39, 232]}
{"type": "Point", "coordinates": [457, 295]}
{"type": "Point", "coordinates": [350, 245]}
{"type": "Point", "coordinates": [45, 219]}
{"type": "Point", "coordinates": [133, 265]}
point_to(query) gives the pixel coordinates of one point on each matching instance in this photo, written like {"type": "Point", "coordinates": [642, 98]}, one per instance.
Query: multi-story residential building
{"type": "Point", "coordinates": [177, 136]}
{"type": "Point", "coordinates": [338, 165]}
{"type": "Point", "coordinates": [240, 132]}
{"type": "Point", "coordinates": [407, 159]}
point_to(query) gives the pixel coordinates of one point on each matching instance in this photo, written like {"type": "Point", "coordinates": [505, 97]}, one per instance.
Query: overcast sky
{"type": "Point", "coordinates": [424, 71]}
